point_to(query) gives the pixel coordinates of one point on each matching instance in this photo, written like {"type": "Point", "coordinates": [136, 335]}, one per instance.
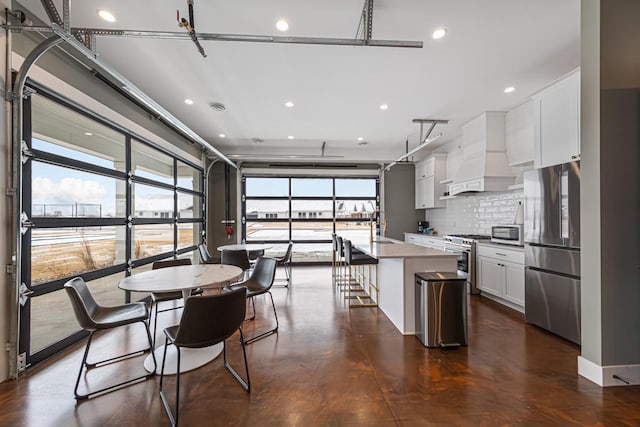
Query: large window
{"type": "Point", "coordinates": [306, 211]}
{"type": "Point", "coordinates": [99, 202]}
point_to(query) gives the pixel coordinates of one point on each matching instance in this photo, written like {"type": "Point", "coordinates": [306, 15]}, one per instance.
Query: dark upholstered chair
{"type": "Point", "coordinates": [207, 321]}
{"type": "Point", "coordinates": [205, 256]}
{"type": "Point", "coordinates": [93, 317]}
{"type": "Point", "coordinates": [158, 297]}
{"type": "Point", "coordinates": [285, 262]}
{"type": "Point", "coordinates": [259, 283]}
{"type": "Point", "coordinates": [239, 258]}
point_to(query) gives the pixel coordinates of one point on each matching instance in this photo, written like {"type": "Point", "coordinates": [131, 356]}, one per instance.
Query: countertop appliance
{"type": "Point", "coordinates": [464, 245]}
{"type": "Point", "coordinates": [552, 249]}
{"type": "Point", "coordinates": [511, 234]}
{"type": "Point", "coordinates": [422, 225]}
{"type": "Point", "coordinates": [441, 309]}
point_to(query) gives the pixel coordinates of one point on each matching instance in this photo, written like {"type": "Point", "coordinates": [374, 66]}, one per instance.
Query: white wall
{"type": "Point", "coordinates": [475, 214]}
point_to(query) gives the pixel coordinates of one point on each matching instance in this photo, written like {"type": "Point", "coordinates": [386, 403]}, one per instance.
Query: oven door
{"type": "Point", "coordinates": [463, 258]}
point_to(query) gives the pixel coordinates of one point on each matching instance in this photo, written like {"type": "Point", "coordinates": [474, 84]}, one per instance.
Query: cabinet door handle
{"type": "Point", "coordinates": [498, 253]}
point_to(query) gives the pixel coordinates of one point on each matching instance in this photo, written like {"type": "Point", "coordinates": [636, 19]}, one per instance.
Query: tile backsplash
{"type": "Point", "coordinates": [475, 214]}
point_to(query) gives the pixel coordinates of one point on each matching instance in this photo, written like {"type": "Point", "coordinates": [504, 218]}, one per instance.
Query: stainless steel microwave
{"type": "Point", "coordinates": [511, 234]}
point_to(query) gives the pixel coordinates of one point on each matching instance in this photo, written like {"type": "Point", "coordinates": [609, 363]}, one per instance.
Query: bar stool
{"type": "Point", "coordinates": [360, 260]}
{"type": "Point", "coordinates": [342, 280]}
{"type": "Point", "coordinates": [334, 258]}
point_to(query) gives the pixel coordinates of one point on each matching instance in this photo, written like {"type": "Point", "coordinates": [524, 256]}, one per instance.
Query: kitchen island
{"type": "Point", "coordinates": [398, 263]}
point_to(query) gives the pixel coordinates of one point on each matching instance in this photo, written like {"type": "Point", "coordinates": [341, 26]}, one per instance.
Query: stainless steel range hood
{"type": "Point", "coordinates": [484, 166]}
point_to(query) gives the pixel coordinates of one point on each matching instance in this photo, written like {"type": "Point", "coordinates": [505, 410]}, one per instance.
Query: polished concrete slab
{"type": "Point", "coordinates": [331, 366]}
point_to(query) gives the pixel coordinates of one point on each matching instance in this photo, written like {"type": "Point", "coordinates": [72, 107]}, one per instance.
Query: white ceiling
{"type": "Point", "coordinates": [337, 90]}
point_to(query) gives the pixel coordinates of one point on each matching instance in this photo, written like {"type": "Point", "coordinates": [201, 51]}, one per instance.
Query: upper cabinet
{"type": "Point", "coordinates": [519, 124]}
{"type": "Point", "coordinates": [429, 173]}
{"type": "Point", "coordinates": [557, 122]}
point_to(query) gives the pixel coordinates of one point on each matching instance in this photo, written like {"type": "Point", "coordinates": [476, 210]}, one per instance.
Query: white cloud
{"type": "Point", "coordinates": [68, 190]}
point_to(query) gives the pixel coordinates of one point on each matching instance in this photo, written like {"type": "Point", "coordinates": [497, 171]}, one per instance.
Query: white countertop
{"type": "Point", "coordinates": [435, 236]}
{"type": "Point", "coordinates": [380, 250]}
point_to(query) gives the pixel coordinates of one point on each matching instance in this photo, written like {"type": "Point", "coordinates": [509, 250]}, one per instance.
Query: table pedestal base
{"type": "Point", "coordinates": [190, 358]}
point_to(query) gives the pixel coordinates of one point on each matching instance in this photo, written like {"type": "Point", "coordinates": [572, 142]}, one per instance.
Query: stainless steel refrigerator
{"type": "Point", "coordinates": [552, 249]}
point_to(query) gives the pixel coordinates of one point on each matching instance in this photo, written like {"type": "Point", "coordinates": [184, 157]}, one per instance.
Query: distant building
{"type": "Point", "coordinates": [160, 206]}
{"type": "Point", "coordinates": [307, 209]}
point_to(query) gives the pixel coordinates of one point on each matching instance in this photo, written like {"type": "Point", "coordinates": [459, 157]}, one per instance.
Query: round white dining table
{"type": "Point", "coordinates": [251, 248]}
{"type": "Point", "coordinates": [182, 278]}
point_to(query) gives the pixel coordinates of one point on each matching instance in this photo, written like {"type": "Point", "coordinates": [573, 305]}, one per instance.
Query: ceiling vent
{"type": "Point", "coordinates": [217, 106]}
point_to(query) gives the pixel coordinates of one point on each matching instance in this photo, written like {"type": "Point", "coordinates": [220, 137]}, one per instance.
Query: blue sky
{"type": "Point", "coordinates": [64, 186]}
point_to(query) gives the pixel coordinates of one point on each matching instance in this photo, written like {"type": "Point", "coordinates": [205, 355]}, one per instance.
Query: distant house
{"type": "Point", "coordinates": [160, 206]}
{"type": "Point", "coordinates": [307, 209]}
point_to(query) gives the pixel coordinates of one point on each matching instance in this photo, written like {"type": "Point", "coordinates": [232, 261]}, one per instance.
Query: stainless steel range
{"type": "Point", "coordinates": [464, 245]}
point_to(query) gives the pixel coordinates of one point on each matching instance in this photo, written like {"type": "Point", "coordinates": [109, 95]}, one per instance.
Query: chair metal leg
{"type": "Point", "coordinates": [163, 397]}
{"type": "Point", "coordinates": [88, 366]}
{"type": "Point", "coordinates": [269, 332]}
{"type": "Point", "coordinates": [246, 385]}
{"type": "Point", "coordinates": [253, 316]}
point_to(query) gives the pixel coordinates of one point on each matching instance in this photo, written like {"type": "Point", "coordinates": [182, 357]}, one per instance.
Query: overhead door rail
{"type": "Point", "coordinates": [363, 33]}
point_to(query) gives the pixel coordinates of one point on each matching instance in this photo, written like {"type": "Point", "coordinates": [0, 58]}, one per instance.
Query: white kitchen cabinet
{"type": "Point", "coordinates": [429, 173]}
{"type": "Point", "coordinates": [501, 274]}
{"type": "Point", "coordinates": [514, 283]}
{"type": "Point", "coordinates": [519, 134]}
{"type": "Point", "coordinates": [491, 276]}
{"type": "Point", "coordinates": [557, 122]}
{"type": "Point", "coordinates": [425, 168]}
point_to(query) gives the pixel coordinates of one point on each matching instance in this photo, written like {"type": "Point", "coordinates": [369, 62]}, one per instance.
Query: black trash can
{"type": "Point", "coordinates": [441, 309]}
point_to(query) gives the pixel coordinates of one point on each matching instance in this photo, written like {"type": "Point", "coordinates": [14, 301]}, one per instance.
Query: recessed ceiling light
{"type": "Point", "coordinates": [360, 138]}
{"type": "Point", "coordinates": [439, 33]}
{"type": "Point", "coordinates": [106, 15]}
{"type": "Point", "coordinates": [88, 133]}
{"type": "Point", "coordinates": [384, 107]}
{"type": "Point", "coordinates": [188, 101]}
{"type": "Point", "coordinates": [290, 137]}
{"type": "Point", "coordinates": [288, 104]}
{"type": "Point", "coordinates": [509, 89]}
{"type": "Point", "coordinates": [282, 25]}
{"type": "Point", "coordinates": [222, 135]}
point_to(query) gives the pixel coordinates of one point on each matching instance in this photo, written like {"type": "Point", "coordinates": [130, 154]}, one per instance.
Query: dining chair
{"type": "Point", "coordinates": [259, 283]}
{"type": "Point", "coordinates": [237, 257]}
{"type": "Point", "coordinates": [207, 321]}
{"type": "Point", "coordinates": [285, 262]}
{"type": "Point", "coordinates": [205, 256]}
{"type": "Point", "coordinates": [158, 297]}
{"type": "Point", "coordinates": [93, 317]}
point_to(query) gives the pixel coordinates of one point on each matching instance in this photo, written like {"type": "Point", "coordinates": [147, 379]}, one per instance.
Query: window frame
{"type": "Point", "coordinates": [291, 220]}
{"type": "Point", "coordinates": [128, 220]}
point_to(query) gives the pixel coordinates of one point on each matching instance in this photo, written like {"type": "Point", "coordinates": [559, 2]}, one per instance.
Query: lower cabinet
{"type": "Point", "coordinates": [501, 274]}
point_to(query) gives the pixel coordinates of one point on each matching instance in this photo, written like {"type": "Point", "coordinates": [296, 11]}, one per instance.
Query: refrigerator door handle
{"type": "Point", "coordinates": [564, 205]}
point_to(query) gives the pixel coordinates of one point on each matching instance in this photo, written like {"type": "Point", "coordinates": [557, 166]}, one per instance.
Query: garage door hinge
{"type": "Point", "coordinates": [10, 268]}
